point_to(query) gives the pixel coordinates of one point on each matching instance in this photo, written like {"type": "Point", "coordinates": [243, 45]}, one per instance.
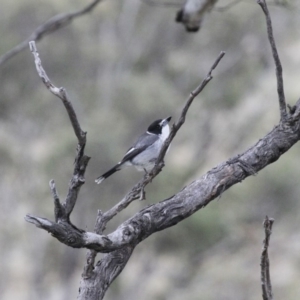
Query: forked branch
{"type": "Point", "coordinates": [62, 211]}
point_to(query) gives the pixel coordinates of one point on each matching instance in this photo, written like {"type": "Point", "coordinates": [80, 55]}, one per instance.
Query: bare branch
{"type": "Point", "coordinates": [53, 190]}
{"type": "Point", "coordinates": [280, 86]}
{"type": "Point", "coordinates": [265, 263]}
{"type": "Point", "coordinates": [109, 267]}
{"type": "Point", "coordinates": [50, 26]}
{"type": "Point", "coordinates": [62, 211]}
{"type": "Point", "coordinates": [182, 117]}
{"type": "Point", "coordinates": [190, 199]}
{"type": "Point", "coordinates": [60, 93]}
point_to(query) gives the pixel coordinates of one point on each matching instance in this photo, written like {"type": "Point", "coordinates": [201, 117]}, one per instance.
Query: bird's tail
{"type": "Point", "coordinates": [108, 173]}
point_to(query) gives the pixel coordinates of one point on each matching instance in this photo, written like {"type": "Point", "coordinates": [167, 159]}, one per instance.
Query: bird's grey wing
{"type": "Point", "coordinates": [141, 144]}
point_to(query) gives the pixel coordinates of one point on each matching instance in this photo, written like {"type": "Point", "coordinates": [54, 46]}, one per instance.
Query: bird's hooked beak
{"type": "Point", "coordinates": [168, 119]}
{"type": "Point", "coordinates": [165, 121]}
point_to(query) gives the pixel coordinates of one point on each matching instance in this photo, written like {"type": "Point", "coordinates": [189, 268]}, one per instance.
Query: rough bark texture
{"type": "Point", "coordinates": [196, 195]}
{"type": "Point", "coordinates": [120, 244]}
{"type": "Point", "coordinates": [106, 270]}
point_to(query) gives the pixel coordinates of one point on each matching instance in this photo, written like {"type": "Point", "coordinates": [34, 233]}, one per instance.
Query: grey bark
{"type": "Point", "coordinates": [190, 199]}
{"type": "Point", "coordinates": [120, 244]}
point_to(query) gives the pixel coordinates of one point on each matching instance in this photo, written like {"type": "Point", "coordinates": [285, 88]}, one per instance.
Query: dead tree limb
{"type": "Point", "coordinates": [265, 263]}
{"type": "Point", "coordinates": [120, 243]}
{"type": "Point", "coordinates": [55, 23]}
{"type": "Point", "coordinates": [62, 211]}
{"type": "Point", "coordinates": [110, 263]}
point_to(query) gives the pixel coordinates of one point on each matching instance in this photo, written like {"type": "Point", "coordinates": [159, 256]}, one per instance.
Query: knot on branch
{"type": "Point", "coordinates": [68, 234]}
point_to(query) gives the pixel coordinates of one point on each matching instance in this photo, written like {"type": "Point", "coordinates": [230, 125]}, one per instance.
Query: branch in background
{"type": "Point", "coordinates": [55, 23]}
{"type": "Point", "coordinates": [265, 263]}
{"type": "Point", "coordinates": [280, 87]}
{"type": "Point", "coordinates": [192, 13]}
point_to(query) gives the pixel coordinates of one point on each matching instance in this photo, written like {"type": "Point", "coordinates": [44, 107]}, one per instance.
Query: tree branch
{"type": "Point", "coordinates": [182, 117]}
{"type": "Point", "coordinates": [55, 23]}
{"type": "Point", "coordinates": [191, 198]}
{"type": "Point", "coordinates": [120, 243]}
{"type": "Point", "coordinates": [138, 189]}
{"type": "Point", "coordinates": [280, 87]}
{"type": "Point", "coordinates": [61, 94]}
{"type": "Point", "coordinates": [265, 263]}
{"type": "Point", "coordinates": [62, 211]}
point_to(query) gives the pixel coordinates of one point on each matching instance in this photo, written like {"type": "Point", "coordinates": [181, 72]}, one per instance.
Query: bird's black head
{"type": "Point", "coordinates": [157, 126]}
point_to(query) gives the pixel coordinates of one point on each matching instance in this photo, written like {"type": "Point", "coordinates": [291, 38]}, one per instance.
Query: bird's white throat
{"type": "Point", "coordinates": [165, 132]}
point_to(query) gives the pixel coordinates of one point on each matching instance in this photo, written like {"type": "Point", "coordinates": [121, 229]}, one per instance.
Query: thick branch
{"type": "Point", "coordinates": [280, 87]}
{"type": "Point", "coordinates": [112, 264]}
{"type": "Point", "coordinates": [265, 263]}
{"type": "Point", "coordinates": [50, 26]}
{"type": "Point", "coordinates": [193, 197]}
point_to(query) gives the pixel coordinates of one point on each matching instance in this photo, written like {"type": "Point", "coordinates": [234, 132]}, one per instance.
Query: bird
{"type": "Point", "coordinates": [145, 151]}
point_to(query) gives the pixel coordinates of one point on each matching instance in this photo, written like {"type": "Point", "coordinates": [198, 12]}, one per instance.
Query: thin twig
{"type": "Point", "coordinates": [265, 263]}
{"type": "Point", "coordinates": [60, 93]}
{"type": "Point", "coordinates": [182, 117]}
{"type": "Point", "coordinates": [55, 23]}
{"type": "Point", "coordinates": [280, 86]}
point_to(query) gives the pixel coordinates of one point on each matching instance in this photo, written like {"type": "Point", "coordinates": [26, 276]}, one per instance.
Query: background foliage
{"type": "Point", "coordinates": [125, 65]}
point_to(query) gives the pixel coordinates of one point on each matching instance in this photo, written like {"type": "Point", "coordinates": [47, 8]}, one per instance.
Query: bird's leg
{"type": "Point", "coordinates": [142, 194]}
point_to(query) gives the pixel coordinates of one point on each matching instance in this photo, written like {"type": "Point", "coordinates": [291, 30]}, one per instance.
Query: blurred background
{"type": "Point", "coordinates": [125, 65]}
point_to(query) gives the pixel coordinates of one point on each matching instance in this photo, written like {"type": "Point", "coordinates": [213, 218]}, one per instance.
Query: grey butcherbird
{"type": "Point", "coordinates": [144, 152]}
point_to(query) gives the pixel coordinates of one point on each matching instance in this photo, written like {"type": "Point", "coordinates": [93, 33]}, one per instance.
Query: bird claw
{"type": "Point", "coordinates": [142, 194]}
